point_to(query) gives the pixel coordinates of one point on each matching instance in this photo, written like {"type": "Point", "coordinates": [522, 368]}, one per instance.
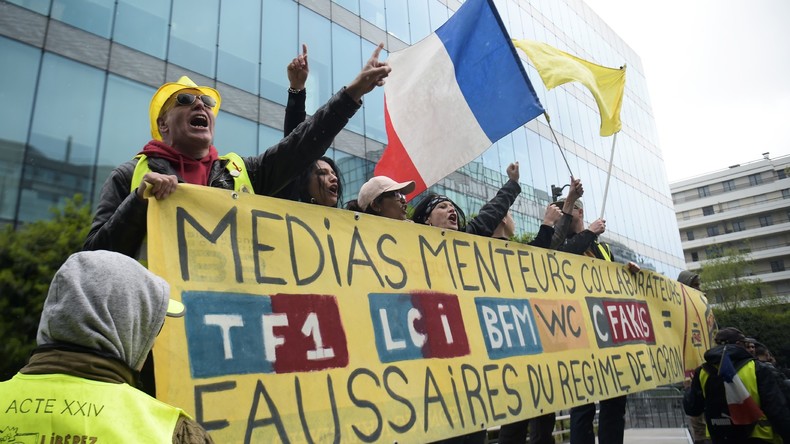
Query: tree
{"type": "Point", "coordinates": [725, 279]}
{"type": "Point", "coordinates": [768, 324]}
{"type": "Point", "coordinates": [29, 258]}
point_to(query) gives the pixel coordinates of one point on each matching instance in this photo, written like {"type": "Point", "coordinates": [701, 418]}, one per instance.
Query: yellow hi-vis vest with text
{"type": "Point", "coordinates": [235, 165]}
{"type": "Point", "coordinates": [762, 429]}
{"type": "Point", "coordinates": [58, 408]}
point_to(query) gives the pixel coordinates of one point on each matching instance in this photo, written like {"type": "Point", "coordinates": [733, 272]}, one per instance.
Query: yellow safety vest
{"type": "Point", "coordinates": [235, 165]}
{"type": "Point", "coordinates": [763, 429]}
{"type": "Point", "coordinates": [58, 408]}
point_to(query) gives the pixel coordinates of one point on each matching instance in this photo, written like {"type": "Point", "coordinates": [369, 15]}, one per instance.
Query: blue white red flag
{"type": "Point", "coordinates": [743, 408]}
{"type": "Point", "coordinates": [452, 95]}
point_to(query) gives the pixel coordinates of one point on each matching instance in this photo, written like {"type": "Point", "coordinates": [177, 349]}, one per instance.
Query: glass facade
{"type": "Point", "coordinates": [80, 108]}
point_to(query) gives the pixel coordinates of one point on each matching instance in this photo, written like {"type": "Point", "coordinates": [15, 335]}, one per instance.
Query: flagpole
{"type": "Point", "coordinates": [608, 176]}
{"type": "Point", "coordinates": [548, 120]}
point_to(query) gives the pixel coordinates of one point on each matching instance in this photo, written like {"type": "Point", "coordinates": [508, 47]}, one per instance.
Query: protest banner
{"type": "Point", "coordinates": [312, 324]}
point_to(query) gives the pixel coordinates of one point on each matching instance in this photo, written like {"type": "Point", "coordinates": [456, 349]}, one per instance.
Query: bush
{"type": "Point", "coordinates": [29, 258]}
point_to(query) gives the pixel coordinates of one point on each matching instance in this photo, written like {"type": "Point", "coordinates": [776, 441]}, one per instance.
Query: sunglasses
{"type": "Point", "coordinates": [396, 194]}
{"type": "Point", "coordinates": [185, 99]}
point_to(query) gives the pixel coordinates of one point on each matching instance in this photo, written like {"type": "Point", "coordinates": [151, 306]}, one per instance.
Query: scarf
{"type": "Point", "coordinates": [194, 171]}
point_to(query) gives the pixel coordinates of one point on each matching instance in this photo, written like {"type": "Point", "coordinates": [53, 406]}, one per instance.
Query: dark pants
{"type": "Point", "coordinates": [611, 422]}
{"type": "Point", "coordinates": [540, 431]}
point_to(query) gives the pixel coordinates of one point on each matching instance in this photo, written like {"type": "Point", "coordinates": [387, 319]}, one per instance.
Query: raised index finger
{"type": "Point", "coordinates": [376, 52]}
{"type": "Point", "coordinates": [304, 49]}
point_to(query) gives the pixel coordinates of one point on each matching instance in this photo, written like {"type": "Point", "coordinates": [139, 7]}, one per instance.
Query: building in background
{"type": "Point", "coordinates": [78, 76]}
{"type": "Point", "coordinates": [745, 207]}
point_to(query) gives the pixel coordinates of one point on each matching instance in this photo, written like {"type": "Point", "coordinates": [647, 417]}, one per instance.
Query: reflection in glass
{"type": "Point", "coordinates": [238, 55]}
{"type": "Point", "coordinates": [374, 101]}
{"type": "Point", "coordinates": [313, 30]}
{"type": "Point", "coordinates": [419, 22]}
{"type": "Point", "coordinates": [94, 16]}
{"type": "Point", "coordinates": [132, 16]}
{"type": "Point", "coordinates": [40, 6]}
{"type": "Point", "coordinates": [346, 62]}
{"type": "Point", "coordinates": [438, 14]}
{"type": "Point", "coordinates": [279, 45]}
{"type": "Point", "coordinates": [351, 5]}
{"type": "Point", "coordinates": [123, 133]}
{"type": "Point", "coordinates": [398, 20]}
{"type": "Point", "coordinates": [373, 11]}
{"type": "Point", "coordinates": [193, 35]}
{"type": "Point", "coordinates": [235, 134]}
{"type": "Point", "coordinates": [17, 87]}
{"type": "Point", "coordinates": [63, 138]}
{"type": "Point", "coordinates": [268, 137]}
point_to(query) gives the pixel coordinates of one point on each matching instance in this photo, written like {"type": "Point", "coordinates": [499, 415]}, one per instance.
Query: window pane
{"type": "Point", "coordinates": [91, 15]}
{"type": "Point", "coordinates": [398, 20]}
{"type": "Point", "coordinates": [374, 101]}
{"type": "Point", "coordinates": [268, 137]}
{"type": "Point", "coordinates": [193, 35]}
{"type": "Point", "coordinates": [438, 14]}
{"type": "Point", "coordinates": [40, 6]}
{"type": "Point", "coordinates": [123, 133]}
{"type": "Point", "coordinates": [17, 87]}
{"type": "Point", "coordinates": [235, 134]}
{"type": "Point", "coordinates": [419, 20]}
{"type": "Point", "coordinates": [133, 16]}
{"type": "Point", "coordinates": [373, 11]}
{"type": "Point", "coordinates": [346, 63]}
{"type": "Point", "coordinates": [63, 144]}
{"type": "Point", "coordinates": [238, 53]}
{"type": "Point", "coordinates": [313, 31]}
{"type": "Point", "coordinates": [279, 46]}
{"type": "Point", "coordinates": [351, 5]}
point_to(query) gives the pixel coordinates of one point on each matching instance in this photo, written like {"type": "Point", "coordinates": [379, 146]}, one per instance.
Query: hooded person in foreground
{"type": "Point", "coordinates": [99, 321]}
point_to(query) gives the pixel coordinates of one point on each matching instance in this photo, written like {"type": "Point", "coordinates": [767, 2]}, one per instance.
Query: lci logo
{"type": "Point", "coordinates": [233, 333]}
{"type": "Point", "coordinates": [417, 325]}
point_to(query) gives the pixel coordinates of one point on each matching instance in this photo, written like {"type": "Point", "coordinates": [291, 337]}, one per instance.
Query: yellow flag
{"type": "Point", "coordinates": [557, 67]}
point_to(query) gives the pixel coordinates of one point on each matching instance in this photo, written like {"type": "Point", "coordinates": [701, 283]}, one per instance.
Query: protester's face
{"type": "Point", "coordinates": [391, 204]}
{"type": "Point", "coordinates": [577, 224]}
{"type": "Point", "coordinates": [750, 347]}
{"type": "Point", "coordinates": [188, 128]}
{"type": "Point", "coordinates": [444, 216]}
{"type": "Point", "coordinates": [323, 185]}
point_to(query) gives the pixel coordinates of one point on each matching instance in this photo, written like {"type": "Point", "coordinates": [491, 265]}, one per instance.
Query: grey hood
{"type": "Point", "coordinates": [105, 301]}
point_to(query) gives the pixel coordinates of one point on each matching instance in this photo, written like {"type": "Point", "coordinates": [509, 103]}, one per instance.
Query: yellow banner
{"type": "Point", "coordinates": [309, 324]}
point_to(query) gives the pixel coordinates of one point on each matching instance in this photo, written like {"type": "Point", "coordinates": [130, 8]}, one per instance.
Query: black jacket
{"type": "Point", "coordinates": [492, 213]}
{"type": "Point", "coordinates": [120, 220]}
{"type": "Point", "coordinates": [772, 401]}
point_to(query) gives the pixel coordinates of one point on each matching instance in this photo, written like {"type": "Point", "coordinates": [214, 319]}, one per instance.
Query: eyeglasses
{"type": "Point", "coordinates": [186, 99]}
{"type": "Point", "coordinates": [396, 194]}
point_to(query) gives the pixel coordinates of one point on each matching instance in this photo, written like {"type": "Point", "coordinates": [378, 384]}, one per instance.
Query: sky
{"type": "Point", "coordinates": [718, 75]}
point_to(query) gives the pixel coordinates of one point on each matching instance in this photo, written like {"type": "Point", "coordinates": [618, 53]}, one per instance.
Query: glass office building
{"type": "Point", "coordinates": [78, 75]}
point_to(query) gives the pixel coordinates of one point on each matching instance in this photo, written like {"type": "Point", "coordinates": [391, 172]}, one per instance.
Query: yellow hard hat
{"type": "Point", "coordinates": [168, 89]}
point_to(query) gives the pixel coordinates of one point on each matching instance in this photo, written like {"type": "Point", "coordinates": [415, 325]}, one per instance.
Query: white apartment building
{"type": "Point", "coordinates": [746, 207]}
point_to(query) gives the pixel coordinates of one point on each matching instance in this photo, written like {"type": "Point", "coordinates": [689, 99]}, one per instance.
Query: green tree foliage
{"type": "Point", "coordinates": [725, 280]}
{"type": "Point", "coordinates": [29, 258]}
{"type": "Point", "coordinates": [768, 324]}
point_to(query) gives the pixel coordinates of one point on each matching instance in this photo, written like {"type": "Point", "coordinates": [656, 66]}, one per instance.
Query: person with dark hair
{"type": "Point", "coordinates": [320, 183]}
{"type": "Point", "coordinates": [440, 211]}
{"type": "Point", "coordinates": [382, 196]}
{"type": "Point", "coordinates": [99, 321]}
{"type": "Point", "coordinates": [761, 390]}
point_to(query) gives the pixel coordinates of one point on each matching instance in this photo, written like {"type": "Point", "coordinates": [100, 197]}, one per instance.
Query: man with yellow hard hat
{"type": "Point", "coordinates": [182, 118]}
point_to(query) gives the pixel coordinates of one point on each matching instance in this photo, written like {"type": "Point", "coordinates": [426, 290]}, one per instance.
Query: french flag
{"type": "Point", "coordinates": [452, 95]}
{"type": "Point", "coordinates": [743, 409]}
